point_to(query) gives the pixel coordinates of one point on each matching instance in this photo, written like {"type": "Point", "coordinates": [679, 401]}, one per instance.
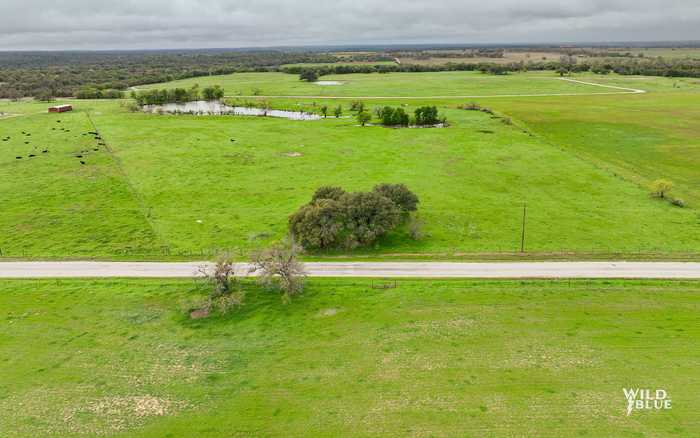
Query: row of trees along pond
{"type": "Point", "coordinates": [398, 117]}
{"type": "Point", "coordinates": [177, 95]}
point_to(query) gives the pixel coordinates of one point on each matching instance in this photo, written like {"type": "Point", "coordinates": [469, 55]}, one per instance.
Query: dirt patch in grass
{"type": "Point", "coordinates": [57, 412]}
{"type": "Point", "coordinates": [555, 359]}
{"type": "Point", "coordinates": [118, 413]}
{"type": "Point", "coordinates": [325, 313]}
{"type": "Point", "coordinates": [199, 314]}
{"type": "Point", "coordinates": [457, 326]}
{"type": "Point", "coordinates": [242, 158]}
{"type": "Point", "coordinates": [135, 406]}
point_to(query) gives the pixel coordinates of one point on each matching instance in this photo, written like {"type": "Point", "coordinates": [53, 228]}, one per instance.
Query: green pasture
{"type": "Point", "coordinates": [437, 358]}
{"type": "Point", "coordinates": [391, 84]}
{"type": "Point", "coordinates": [641, 137]}
{"type": "Point", "coordinates": [50, 203]}
{"type": "Point", "coordinates": [187, 186]}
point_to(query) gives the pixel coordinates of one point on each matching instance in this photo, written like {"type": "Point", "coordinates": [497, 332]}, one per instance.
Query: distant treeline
{"type": "Point", "coordinates": [96, 93]}
{"type": "Point", "coordinates": [47, 74]}
{"type": "Point", "coordinates": [97, 75]}
{"type": "Point", "coordinates": [623, 66]}
{"type": "Point", "coordinates": [467, 53]}
{"type": "Point", "coordinates": [177, 95]}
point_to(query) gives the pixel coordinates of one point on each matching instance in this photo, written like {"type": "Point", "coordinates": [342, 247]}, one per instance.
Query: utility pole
{"type": "Point", "coordinates": [522, 238]}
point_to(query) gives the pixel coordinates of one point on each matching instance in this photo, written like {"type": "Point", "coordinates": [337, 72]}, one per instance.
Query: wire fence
{"type": "Point", "coordinates": [488, 232]}
{"type": "Point", "coordinates": [168, 252]}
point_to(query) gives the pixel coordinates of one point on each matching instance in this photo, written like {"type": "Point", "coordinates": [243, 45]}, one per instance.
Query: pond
{"type": "Point", "coordinates": [215, 108]}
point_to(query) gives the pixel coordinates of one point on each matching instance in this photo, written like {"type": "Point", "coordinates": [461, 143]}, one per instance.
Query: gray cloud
{"type": "Point", "coordinates": [95, 24]}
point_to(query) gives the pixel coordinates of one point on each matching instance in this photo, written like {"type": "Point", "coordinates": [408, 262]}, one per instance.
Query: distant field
{"type": "Point", "coordinates": [642, 137]}
{"type": "Point", "coordinates": [427, 358]}
{"type": "Point", "coordinates": [670, 53]}
{"type": "Point", "coordinates": [391, 84]}
{"type": "Point", "coordinates": [311, 64]}
{"type": "Point", "coordinates": [508, 57]}
{"type": "Point", "coordinates": [539, 56]}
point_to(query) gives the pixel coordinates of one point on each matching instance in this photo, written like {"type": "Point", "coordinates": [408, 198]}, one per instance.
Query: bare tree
{"type": "Point", "coordinates": [566, 64]}
{"type": "Point", "coordinates": [278, 268]}
{"type": "Point", "coordinates": [225, 293]}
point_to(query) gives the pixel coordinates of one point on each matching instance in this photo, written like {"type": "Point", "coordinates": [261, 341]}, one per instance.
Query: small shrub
{"type": "Point", "coordinates": [363, 117]}
{"type": "Point", "coordinates": [427, 115]}
{"type": "Point", "coordinates": [660, 188]}
{"type": "Point", "coordinates": [471, 107]}
{"type": "Point", "coordinates": [476, 107]}
{"type": "Point", "coordinates": [415, 228]}
{"type": "Point", "coordinates": [132, 107]}
{"type": "Point", "coordinates": [357, 105]}
{"type": "Point", "coordinates": [678, 202]}
{"type": "Point", "coordinates": [226, 303]}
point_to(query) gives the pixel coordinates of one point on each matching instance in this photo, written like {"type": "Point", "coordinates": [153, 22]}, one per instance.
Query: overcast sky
{"type": "Point", "coordinates": [125, 24]}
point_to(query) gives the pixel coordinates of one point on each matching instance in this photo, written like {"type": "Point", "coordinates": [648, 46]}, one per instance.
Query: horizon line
{"type": "Point", "coordinates": [380, 46]}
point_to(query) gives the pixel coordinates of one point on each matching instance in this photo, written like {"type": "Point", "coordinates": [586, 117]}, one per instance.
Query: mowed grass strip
{"type": "Point", "coordinates": [438, 358]}
{"type": "Point", "coordinates": [390, 84]}
{"type": "Point", "coordinates": [61, 193]}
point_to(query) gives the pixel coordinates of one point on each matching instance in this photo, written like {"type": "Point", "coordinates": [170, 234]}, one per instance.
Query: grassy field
{"type": "Point", "coordinates": [431, 358]}
{"type": "Point", "coordinates": [392, 84]}
{"type": "Point", "coordinates": [180, 184]}
{"type": "Point", "coordinates": [49, 200]}
{"type": "Point", "coordinates": [642, 137]}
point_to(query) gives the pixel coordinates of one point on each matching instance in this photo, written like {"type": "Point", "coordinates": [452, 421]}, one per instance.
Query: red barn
{"type": "Point", "coordinates": [60, 108]}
